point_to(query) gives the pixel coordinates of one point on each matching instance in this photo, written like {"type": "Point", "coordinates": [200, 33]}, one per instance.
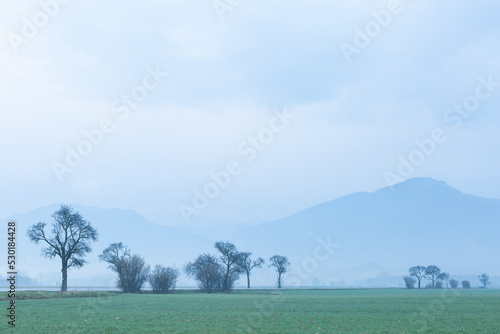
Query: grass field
{"type": "Point", "coordinates": [261, 311]}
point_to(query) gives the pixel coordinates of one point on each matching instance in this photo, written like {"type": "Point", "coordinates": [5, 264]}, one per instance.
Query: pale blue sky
{"type": "Point", "coordinates": [226, 81]}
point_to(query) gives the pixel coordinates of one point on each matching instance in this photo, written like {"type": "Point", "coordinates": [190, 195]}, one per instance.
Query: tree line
{"type": "Point", "coordinates": [70, 240]}
{"type": "Point", "coordinates": [436, 278]}
{"type": "Point", "coordinates": [211, 273]}
{"type": "Point", "coordinates": [71, 235]}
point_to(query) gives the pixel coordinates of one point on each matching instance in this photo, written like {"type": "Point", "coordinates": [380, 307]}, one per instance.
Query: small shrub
{"type": "Point", "coordinates": [453, 283]}
{"type": "Point", "coordinates": [438, 285]}
{"type": "Point", "coordinates": [207, 271]}
{"type": "Point", "coordinates": [163, 279]}
{"type": "Point", "coordinates": [466, 284]}
{"type": "Point", "coordinates": [132, 274]}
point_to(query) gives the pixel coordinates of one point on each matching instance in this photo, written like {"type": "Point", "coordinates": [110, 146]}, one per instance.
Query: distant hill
{"type": "Point", "coordinates": [157, 244]}
{"type": "Point", "coordinates": [420, 221]}
{"type": "Point", "coordinates": [373, 239]}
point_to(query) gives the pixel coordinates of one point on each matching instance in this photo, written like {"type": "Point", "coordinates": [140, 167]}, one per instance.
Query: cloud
{"type": "Point", "coordinates": [226, 78]}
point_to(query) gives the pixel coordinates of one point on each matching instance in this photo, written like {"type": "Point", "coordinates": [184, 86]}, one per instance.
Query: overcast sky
{"type": "Point", "coordinates": [334, 98]}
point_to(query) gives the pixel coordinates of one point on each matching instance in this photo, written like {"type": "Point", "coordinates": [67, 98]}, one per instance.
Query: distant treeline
{"type": "Point", "coordinates": [436, 278]}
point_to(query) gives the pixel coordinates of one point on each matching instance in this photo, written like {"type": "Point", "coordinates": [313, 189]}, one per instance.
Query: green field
{"type": "Point", "coordinates": [261, 311]}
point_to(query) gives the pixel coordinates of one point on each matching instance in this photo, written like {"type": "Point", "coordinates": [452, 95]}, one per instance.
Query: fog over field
{"type": "Point", "coordinates": [362, 239]}
{"type": "Point", "coordinates": [358, 138]}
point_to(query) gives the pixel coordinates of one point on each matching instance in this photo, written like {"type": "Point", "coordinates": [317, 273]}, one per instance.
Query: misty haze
{"type": "Point", "coordinates": [230, 166]}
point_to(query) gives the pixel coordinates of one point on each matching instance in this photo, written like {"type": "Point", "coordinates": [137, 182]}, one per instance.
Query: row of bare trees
{"type": "Point", "coordinates": [71, 236]}
{"type": "Point", "coordinates": [70, 240]}
{"type": "Point", "coordinates": [220, 273]}
{"type": "Point", "coordinates": [211, 273]}
{"type": "Point", "coordinates": [133, 272]}
{"type": "Point", "coordinates": [432, 273]}
{"type": "Point", "coordinates": [436, 278]}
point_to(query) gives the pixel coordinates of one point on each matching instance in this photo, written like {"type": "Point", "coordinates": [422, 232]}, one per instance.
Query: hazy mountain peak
{"type": "Point", "coordinates": [420, 211]}
{"type": "Point", "coordinates": [419, 186]}
{"type": "Point", "coordinates": [422, 182]}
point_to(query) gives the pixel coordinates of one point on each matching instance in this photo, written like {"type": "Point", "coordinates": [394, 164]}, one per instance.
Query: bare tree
{"type": "Point", "coordinates": [409, 282]}
{"type": "Point", "coordinates": [246, 264]}
{"type": "Point", "coordinates": [444, 277]}
{"type": "Point", "coordinates": [132, 274]}
{"type": "Point", "coordinates": [163, 279]}
{"type": "Point", "coordinates": [229, 258]}
{"type": "Point", "coordinates": [114, 254]}
{"type": "Point", "coordinates": [280, 263]}
{"type": "Point", "coordinates": [484, 279]}
{"type": "Point", "coordinates": [70, 240]}
{"type": "Point", "coordinates": [207, 271]}
{"type": "Point", "coordinates": [432, 273]}
{"type": "Point", "coordinates": [418, 272]}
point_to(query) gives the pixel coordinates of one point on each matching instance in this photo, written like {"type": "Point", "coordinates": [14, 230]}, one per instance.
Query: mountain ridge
{"type": "Point", "coordinates": [420, 221]}
{"type": "Point", "coordinates": [411, 216]}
